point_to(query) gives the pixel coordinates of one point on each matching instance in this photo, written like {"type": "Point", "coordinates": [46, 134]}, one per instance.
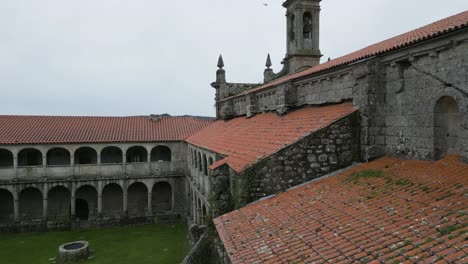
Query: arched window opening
{"type": "Point", "coordinates": [59, 200]}
{"type": "Point", "coordinates": [307, 22]}
{"type": "Point", "coordinates": [85, 155]}
{"type": "Point", "coordinates": [137, 154]}
{"type": "Point", "coordinates": [205, 165]}
{"type": "Point", "coordinates": [6, 158]}
{"type": "Point", "coordinates": [194, 159]}
{"type": "Point", "coordinates": [161, 153]}
{"type": "Point", "coordinates": [86, 202]}
{"type": "Point", "coordinates": [292, 26]}
{"type": "Point", "coordinates": [112, 200]}
{"type": "Point", "coordinates": [58, 156]}
{"type": "Point", "coordinates": [6, 206]}
{"type": "Point", "coordinates": [137, 199]}
{"type": "Point", "coordinates": [30, 203]}
{"type": "Point", "coordinates": [204, 214]}
{"type": "Point", "coordinates": [29, 157]}
{"type": "Point", "coordinates": [111, 155]}
{"type": "Point", "coordinates": [191, 157]}
{"type": "Point", "coordinates": [162, 197]}
{"type": "Point", "coordinates": [446, 127]}
{"type": "Point", "coordinates": [210, 161]}
{"type": "Point", "coordinates": [200, 162]}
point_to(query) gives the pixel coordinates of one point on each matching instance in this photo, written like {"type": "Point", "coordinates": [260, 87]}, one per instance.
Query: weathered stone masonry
{"type": "Point", "coordinates": [397, 95]}
{"type": "Point", "coordinates": [317, 154]}
{"type": "Point", "coordinates": [45, 187]}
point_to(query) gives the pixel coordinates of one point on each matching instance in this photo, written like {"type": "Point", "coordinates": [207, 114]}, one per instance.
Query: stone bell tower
{"type": "Point", "coordinates": [303, 34]}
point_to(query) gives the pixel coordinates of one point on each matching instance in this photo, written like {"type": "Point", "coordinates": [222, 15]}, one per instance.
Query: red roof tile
{"type": "Point", "coordinates": [246, 140]}
{"type": "Point", "coordinates": [73, 129]}
{"type": "Point", "coordinates": [386, 210]}
{"type": "Point", "coordinates": [433, 30]}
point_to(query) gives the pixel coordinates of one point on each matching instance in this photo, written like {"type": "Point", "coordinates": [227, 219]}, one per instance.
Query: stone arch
{"type": "Point", "coordinates": [58, 156]}
{"type": "Point", "coordinates": [210, 161]}
{"type": "Point", "coordinates": [162, 197]}
{"type": "Point", "coordinates": [446, 127]}
{"type": "Point", "coordinates": [30, 203]}
{"type": "Point", "coordinates": [161, 153]}
{"type": "Point", "coordinates": [85, 155]}
{"type": "Point", "coordinates": [111, 155]}
{"type": "Point", "coordinates": [137, 154]}
{"type": "Point", "coordinates": [137, 199]}
{"type": "Point", "coordinates": [29, 157]}
{"type": "Point", "coordinates": [59, 201]}
{"type": "Point", "coordinates": [86, 202]}
{"type": "Point", "coordinates": [6, 206]}
{"type": "Point", "coordinates": [6, 158]}
{"type": "Point", "coordinates": [112, 200]}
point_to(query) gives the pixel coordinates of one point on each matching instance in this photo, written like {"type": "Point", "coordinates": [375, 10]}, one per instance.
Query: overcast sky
{"type": "Point", "coordinates": [137, 57]}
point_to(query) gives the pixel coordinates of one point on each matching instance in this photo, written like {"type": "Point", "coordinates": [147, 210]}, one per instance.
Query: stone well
{"type": "Point", "coordinates": [73, 252]}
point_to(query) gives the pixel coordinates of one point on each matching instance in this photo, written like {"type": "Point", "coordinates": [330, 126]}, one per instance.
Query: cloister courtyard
{"type": "Point", "coordinates": [161, 243]}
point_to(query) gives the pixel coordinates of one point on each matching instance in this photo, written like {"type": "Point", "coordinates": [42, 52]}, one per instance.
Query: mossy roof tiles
{"type": "Point", "coordinates": [381, 212]}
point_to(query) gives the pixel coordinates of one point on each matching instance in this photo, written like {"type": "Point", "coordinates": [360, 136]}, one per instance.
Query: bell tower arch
{"type": "Point", "coordinates": [303, 34]}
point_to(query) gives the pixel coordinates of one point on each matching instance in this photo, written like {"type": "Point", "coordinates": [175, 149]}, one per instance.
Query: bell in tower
{"type": "Point", "coordinates": [303, 30]}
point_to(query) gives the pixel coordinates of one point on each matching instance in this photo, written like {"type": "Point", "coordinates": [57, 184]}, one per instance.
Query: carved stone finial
{"type": "Point", "coordinates": [268, 61]}
{"type": "Point", "coordinates": [220, 62]}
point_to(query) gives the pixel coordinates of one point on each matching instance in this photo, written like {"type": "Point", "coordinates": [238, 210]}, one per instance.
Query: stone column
{"type": "Point", "coordinates": [124, 163]}
{"type": "Point", "coordinates": [99, 163]}
{"type": "Point", "coordinates": [15, 165]}
{"type": "Point", "coordinates": [150, 203]}
{"type": "Point", "coordinates": [44, 166]}
{"type": "Point", "coordinates": [99, 204]}
{"type": "Point", "coordinates": [72, 165]}
{"type": "Point", "coordinates": [16, 204]}
{"type": "Point", "coordinates": [73, 201]}
{"type": "Point", "coordinates": [125, 196]}
{"type": "Point", "coordinates": [194, 209]}
{"type": "Point", "coordinates": [149, 162]}
{"type": "Point", "coordinates": [45, 194]}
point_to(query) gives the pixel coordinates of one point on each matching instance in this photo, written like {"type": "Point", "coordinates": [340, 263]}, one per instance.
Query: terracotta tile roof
{"type": "Point", "coordinates": [388, 210]}
{"type": "Point", "coordinates": [433, 30]}
{"type": "Point", "coordinates": [68, 129]}
{"type": "Point", "coordinates": [247, 140]}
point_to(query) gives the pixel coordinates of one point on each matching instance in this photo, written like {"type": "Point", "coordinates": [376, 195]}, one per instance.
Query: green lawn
{"type": "Point", "coordinates": [159, 244]}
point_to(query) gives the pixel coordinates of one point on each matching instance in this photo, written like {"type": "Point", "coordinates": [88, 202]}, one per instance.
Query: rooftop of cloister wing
{"type": "Point", "coordinates": [387, 210]}
{"type": "Point", "coordinates": [79, 129]}
{"type": "Point", "coordinates": [244, 141]}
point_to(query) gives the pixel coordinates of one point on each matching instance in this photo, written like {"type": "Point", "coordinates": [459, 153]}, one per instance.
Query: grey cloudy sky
{"type": "Point", "coordinates": [136, 57]}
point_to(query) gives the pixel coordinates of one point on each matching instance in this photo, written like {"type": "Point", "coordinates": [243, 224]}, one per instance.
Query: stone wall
{"type": "Point", "coordinates": [396, 93]}
{"type": "Point", "coordinates": [320, 153]}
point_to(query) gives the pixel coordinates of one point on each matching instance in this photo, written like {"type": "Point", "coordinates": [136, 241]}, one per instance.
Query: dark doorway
{"type": "Point", "coordinates": [82, 209]}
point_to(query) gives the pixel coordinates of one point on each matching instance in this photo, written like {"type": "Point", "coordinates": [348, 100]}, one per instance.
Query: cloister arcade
{"type": "Point", "coordinates": [199, 161]}
{"type": "Point", "coordinates": [58, 156]}
{"type": "Point", "coordinates": [85, 200]}
{"type": "Point", "coordinates": [57, 161]}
